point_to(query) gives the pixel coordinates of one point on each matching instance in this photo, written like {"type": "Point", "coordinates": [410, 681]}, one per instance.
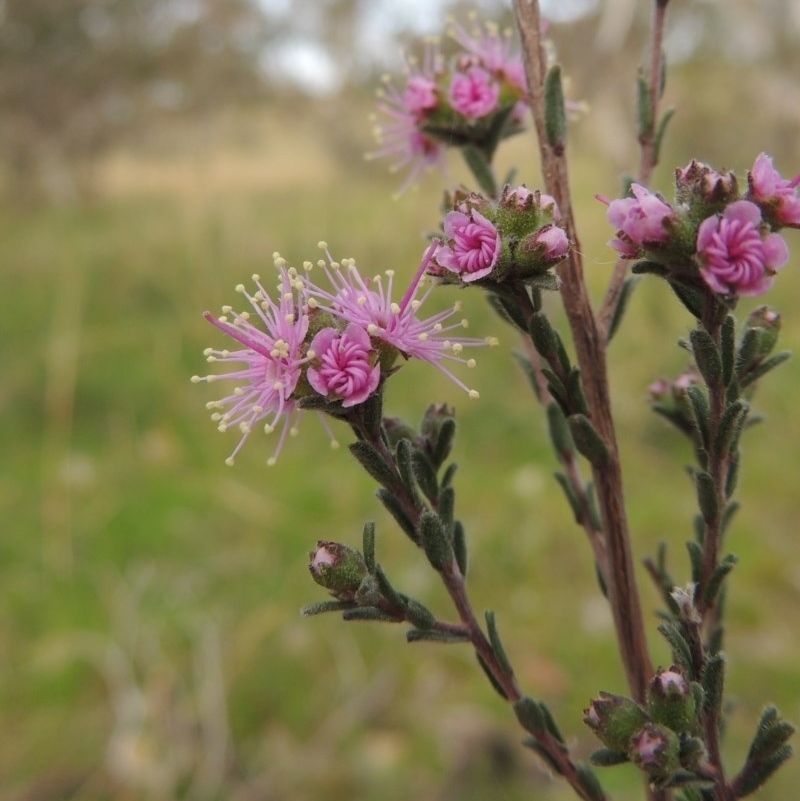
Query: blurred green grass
{"type": "Point", "coordinates": [150, 595]}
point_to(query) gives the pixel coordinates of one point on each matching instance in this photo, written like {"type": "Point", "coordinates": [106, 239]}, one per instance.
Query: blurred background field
{"type": "Point", "coordinates": [149, 629]}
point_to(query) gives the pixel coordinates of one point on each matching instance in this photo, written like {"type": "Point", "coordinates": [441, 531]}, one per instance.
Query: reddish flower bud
{"type": "Point", "coordinates": [615, 719]}
{"type": "Point", "coordinates": [338, 568]}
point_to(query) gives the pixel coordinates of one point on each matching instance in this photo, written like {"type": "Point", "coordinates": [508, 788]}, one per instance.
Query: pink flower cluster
{"type": "Point", "coordinates": [337, 342]}
{"type": "Point", "coordinates": [473, 247]}
{"type": "Point", "coordinates": [734, 248]}
{"type": "Point", "coordinates": [449, 102]}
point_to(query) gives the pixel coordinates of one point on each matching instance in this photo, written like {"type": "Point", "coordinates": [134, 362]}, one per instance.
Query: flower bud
{"type": "Point", "coordinates": [768, 323]}
{"type": "Point", "coordinates": [338, 568]}
{"type": "Point", "coordinates": [670, 700]}
{"type": "Point", "coordinates": [697, 183]}
{"type": "Point", "coordinates": [655, 749]}
{"type": "Point", "coordinates": [615, 719]}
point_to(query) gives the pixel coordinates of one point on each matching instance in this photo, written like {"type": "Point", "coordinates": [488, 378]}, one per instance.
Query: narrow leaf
{"type": "Point", "coordinates": [372, 461]}
{"type": "Point", "coordinates": [529, 715]}
{"type": "Point", "coordinates": [706, 356]}
{"type": "Point", "coordinates": [588, 442]}
{"type": "Point", "coordinates": [559, 432]}
{"type": "Point", "coordinates": [460, 547]}
{"type": "Point", "coordinates": [425, 475]}
{"type": "Point", "coordinates": [368, 545]}
{"type": "Point", "coordinates": [626, 292]}
{"type": "Point", "coordinates": [398, 512]}
{"type": "Point", "coordinates": [325, 606]}
{"type": "Point", "coordinates": [727, 348]}
{"type": "Point", "coordinates": [497, 644]}
{"type": "Point", "coordinates": [433, 635]}
{"type": "Point", "coordinates": [435, 541]}
{"type": "Point", "coordinates": [555, 115]}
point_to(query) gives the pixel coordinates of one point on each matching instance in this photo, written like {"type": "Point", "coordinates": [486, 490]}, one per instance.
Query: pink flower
{"type": "Point", "coordinates": [777, 196]}
{"type": "Point", "coordinates": [553, 241]}
{"type": "Point", "coordinates": [272, 360]}
{"type": "Point", "coordinates": [474, 93]}
{"type": "Point", "coordinates": [401, 136]}
{"type": "Point", "coordinates": [473, 245]}
{"type": "Point", "coordinates": [490, 48]}
{"type": "Point", "coordinates": [639, 221]}
{"type": "Point", "coordinates": [344, 364]}
{"type": "Point", "coordinates": [369, 304]}
{"type": "Point", "coordinates": [733, 253]}
{"type": "Point", "coordinates": [420, 95]}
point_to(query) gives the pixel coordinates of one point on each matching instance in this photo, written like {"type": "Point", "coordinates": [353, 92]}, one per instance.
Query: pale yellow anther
{"type": "Point", "coordinates": [474, 394]}
{"type": "Point", "coordinates": [257, 409]}
{"type": "Point", "coordinates": [240, 288]}
{"type": "Point", "coordinates": [313, 303]}
{"type": "Point", "coordinates": [308, 266]}
{"type": "Point", "coordinates": [389, 273]}
{"type": "Point", "coordinates": [322, 244]}
{"type": "Point", "coordinates": [471, 363]}
{"type": "Point", "coordinates": [294, 431]}
{"type": "Point", "coordinates": [211, 378]}
{"type": "Point", "coordinates": [278, 385]}
{"type": "Point", "coordinates": [321, 262]}
{"type": "Point", "coordinates": [208, 351]}
{"type": "Point", "coordinates": [223, 427]}
{"type": "Point", "coordinates": [211, 359]}
{"type": "Point", "coordinates": [227, 309]}
{"type": "Point", "coordinates": [223, 318]}
{"type": "Point", "coordinates": [437, 327]}
{"type": "Point", "coordinates": [423, 337]}
{"type": "Point", "coordinates": [229, 461]}
{"type": "Point", "coordinates": [238, 391]}
{"type": "Point", "coordinates": [216, 417]}
{"type": "Point", "coordinates": [465, 323]}
{"type": "Point", "coordinates": [245, 316]}
{"type": "Point", "coordinates": [362, 300]}
{"type": "Point", "coordinates": [457, 347]}
{"type": "Point", "coordinates": [195, 379]}
{"type": "Point", "coordinates": [244, 428]}
{"type": "Point", "coordinates": [395, 308]}
{"type": "Point", "coordinates": [271, 461]}
{"type": "Point", "coordinates": [415, 304]}
{"type": "Point", "coordinates": [335, 445]}
{"type": "Point", "coordinates": [492, 341]}
{"type": "Point", "coordinates": [373, 329]}
{"type": "Point", "coordinates": [268, 428]}
{"type": "Point", "coordinates": [311, 354]}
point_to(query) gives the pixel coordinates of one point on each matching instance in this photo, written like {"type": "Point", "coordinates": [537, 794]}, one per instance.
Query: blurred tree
{"type": "Point", "coordinates": [76, 75]}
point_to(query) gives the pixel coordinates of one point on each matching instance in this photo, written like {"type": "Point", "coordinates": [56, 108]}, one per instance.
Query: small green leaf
{"type": "Point", "coordinates": [720, 573]}
{"type": "Point", "coordinates": [481, 169]}
{"type": "Point", "coordinates": [706, 356]}
{"type": "Point", "coordinates": [606, 758]}
{"type": "Point", "coordinates": [529, 715]}
{"type": "Point", "coordinates": [660, 131]}
{"type": "Point", "coordinates": [460, 547]}
{"type": "Point", "coordinates": [497, 644]}
{"type": "Point", "coordinates": [559, 432]}
{"type": "Point", "coordinates": [368, 545]}
{"type": "Point", "coordinates": [713, 680]}
{"type": "Point", "coordinates": [730, 427]}
{"type": "Point", "coordinates": [589, 782]}
{"type": "Point", "coordinates": [444, 442]}
{"type": "Point", "coordinates": [690, 298]}
{"type": "Point", "coordinates": [588, 442]}
{"type": "Point", "coordinates": [435, 540]}
{"type": "Point", "coordinates": [372, 461]}
{"type": "Point", "coordinates": [325, 606]}
{"type": "Point", "coordinates": [575, 396]}
{"type": "Point", "coordinates": [706, 495]}
{"type": "Point", "coordinates": [419, 615]}
{"type": "Point", "coordinates": [765, 367]}
{"type": "Point", "coordinates": [701, 413]}
{"type": "Point", "coordinates": [370, 613]}
{"type": "Point", "coordinates": [555, 115]}
{"type": "Point", "coordinates": [398, 512]}
{"type": "Point", "coordinates": [696, 559]}
{"type": "Point", "coordinates": [507, 311]}
{"type": "Point", "coordinates": [403, 460]}
{"type": "Point", "coordinates": [425, 475]}
{"type": "Point", "coordinates": [433, 635]}
{"type": "Point", "coordinates": [681, 653]}
{"type": "Point", "coordinates": [644, 107]}
{"type": "Point", "coordinates": [489, 675]}
{"type": "Point", "coordinates": [543, 336]}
